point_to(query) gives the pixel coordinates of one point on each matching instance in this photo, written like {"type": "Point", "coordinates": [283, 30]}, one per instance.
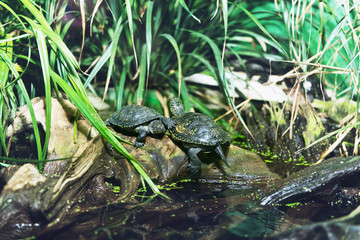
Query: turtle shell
{"type": "Point", "coordinates": [133, 115]}
{"type": "Point", "coordinates": [199, 129]}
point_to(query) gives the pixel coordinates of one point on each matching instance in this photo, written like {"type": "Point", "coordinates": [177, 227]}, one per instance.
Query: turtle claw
{"type": "Point", "coordinates": [169, 123]}
{"type": "Point", "coordinates": [138, 144]}
{"type": "Point", "coordinates": [226, 162]}
{"type": "Point", "coordinates": [219, 152]}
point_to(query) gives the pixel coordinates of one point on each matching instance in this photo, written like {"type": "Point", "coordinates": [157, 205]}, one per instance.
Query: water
{"type": "Point", "coordinates": [197, 211]}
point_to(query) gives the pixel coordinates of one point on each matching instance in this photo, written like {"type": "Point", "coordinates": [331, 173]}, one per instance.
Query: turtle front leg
{"type": "Point", "coordinates": [143, 132]}
{"type": "Point", "coordinates": [219, 152]}
{"type": "Point", "coordinates": [194, 166]}
{"type": "Point", "coordinates": [168, 123]}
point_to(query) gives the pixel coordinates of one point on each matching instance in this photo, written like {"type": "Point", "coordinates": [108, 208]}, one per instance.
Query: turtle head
{"type": "Point", "coordinates": [176, 107]}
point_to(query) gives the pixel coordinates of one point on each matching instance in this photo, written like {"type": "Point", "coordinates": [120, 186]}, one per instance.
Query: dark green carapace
{"type": "Point", "coordinates": [198, 133]}
{"type": "Point", "coordinates": [141, 120]}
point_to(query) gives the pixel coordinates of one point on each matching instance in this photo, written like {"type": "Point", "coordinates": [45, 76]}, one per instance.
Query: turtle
{"type": "Point", "coordinates": [139, 119]}
{"type": "Point", "coordinates": [198, 133]}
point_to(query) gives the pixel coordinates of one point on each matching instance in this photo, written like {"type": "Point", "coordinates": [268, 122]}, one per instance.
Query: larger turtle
{"type": "Point", "coordinates": [140, 119]}
{"type": "Point", "coordinates": [198, 133]}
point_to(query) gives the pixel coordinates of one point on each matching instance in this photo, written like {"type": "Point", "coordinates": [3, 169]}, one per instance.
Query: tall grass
{"type": "Point", "coordinates": [46, 50]}
{"type": "Point", "coordinates": [324, 47]}
{"type": "Point", "coordinates": [140, 46]}
{"type": "Point", "coordinates": [70, 82]}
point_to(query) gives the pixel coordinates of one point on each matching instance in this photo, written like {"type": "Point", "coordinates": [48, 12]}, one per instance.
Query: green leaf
{"type": "Point", "coordinates": [183, 4]}
{"type": "Point", "coordinates": [114, 45]}
{"type": "Point", "coordinates": [223, 82]}
{"type": "Point", "coordinates": [262, 28]}
{"type": "Point", "coordinates": [141, 84]}
{"type": "Point", "coordinates": [102, 61]}
{"type": "Point", "coordinates": [120, 88]}
{"type": "Point", "coordinates": [26, 97]}
{"type": "Point", "coordinates": [130, 20]}
{"type": "Point", "coordinates": [43, 53]}
{"type": "Point", "coordinates": [148, 35]}
{"type": "Point", "coordinates": [46, 29]}
{"type": "Point", "coordinates": [173, 42]}
{"type": "Point", "coordinates": [225, 17]}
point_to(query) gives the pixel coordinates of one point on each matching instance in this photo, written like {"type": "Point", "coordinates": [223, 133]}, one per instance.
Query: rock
{"type": "Point", "coordinates": [26, 176]}
{"type": "Point", "coordinates": [323, 181]}
{"type": "Point", "coordinates": [327, 230]}
{"type": "Point", "coordinates": [245, 167]}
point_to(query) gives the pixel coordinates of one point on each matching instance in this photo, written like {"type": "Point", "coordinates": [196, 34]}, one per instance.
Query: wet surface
{"type": "Point", "coordinates": [198, 210]}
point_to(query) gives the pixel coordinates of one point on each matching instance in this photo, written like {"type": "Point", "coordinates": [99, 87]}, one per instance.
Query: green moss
{"type": "Point", "coordinates": [116, 189]}
{"type": "Point", "coordinates": [292, 205]}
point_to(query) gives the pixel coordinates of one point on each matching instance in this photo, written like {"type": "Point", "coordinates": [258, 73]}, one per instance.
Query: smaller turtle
{"type": "Point", "coordinates": [198, 133]}
{"type": "Point", "coordinates": [141, 120]}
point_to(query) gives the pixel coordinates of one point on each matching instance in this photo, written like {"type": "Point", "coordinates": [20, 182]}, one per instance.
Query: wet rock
{"type": "Point", "coordinates": [325, 181]}
{"type": "Point", "coordinates": [21, 203]}
{"type": "Point", "coordinates": [327, 230]}
{"type": "Point", "coordinates": [346, 227]}
{"type": "Point", "coordinates": [26, 176]}
{"type": "Point", "coordinates": [6, 174]}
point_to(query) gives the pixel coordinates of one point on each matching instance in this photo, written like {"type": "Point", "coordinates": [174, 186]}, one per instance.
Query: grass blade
{"type": "Point", "coordinates": [173, 42]}
{"type": "Point", "coordinates": [131, 27]}
{"type": "Point", "coordinates": [148, 38]}
{"type": "Point", "coordinates": [26, 97]}
{"type": "Point", "coordinates": [120, 87]}
{"type": "Point", "coordinates": [6, 47]}
{"type": "Point", "coordinates": [221, 72]}
{"type": "Point", "coordinates": [44, 59]}
{"type": "Point", "coordinates": [225, 17]}
{"type": "Point", "coordinates": [83, 27]}
{"type": "Point", "coordinates": [114, 45]}
{"type": "Point", "coordinates": [46, 29]}
{"type": "Point", "coordinates": [102, 61]}
{"type": "Point", "coordinates": [262, 28]}
{"type": "Point", "coordinates": [183, 4]}
{"type": "Point", "coordinates": [141, 84]}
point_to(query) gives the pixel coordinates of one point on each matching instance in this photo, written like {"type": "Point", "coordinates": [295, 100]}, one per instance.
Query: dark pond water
{"type": "Point", "coordinates": [199, 211]}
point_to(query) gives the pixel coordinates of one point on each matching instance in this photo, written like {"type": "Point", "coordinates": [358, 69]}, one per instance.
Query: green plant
{"type": "Point", "coordinates": [45, 34]}
{"type": "Point", "coordinates": [141, 46]}
{"type": "Point", "coordinates": [60, 57]}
